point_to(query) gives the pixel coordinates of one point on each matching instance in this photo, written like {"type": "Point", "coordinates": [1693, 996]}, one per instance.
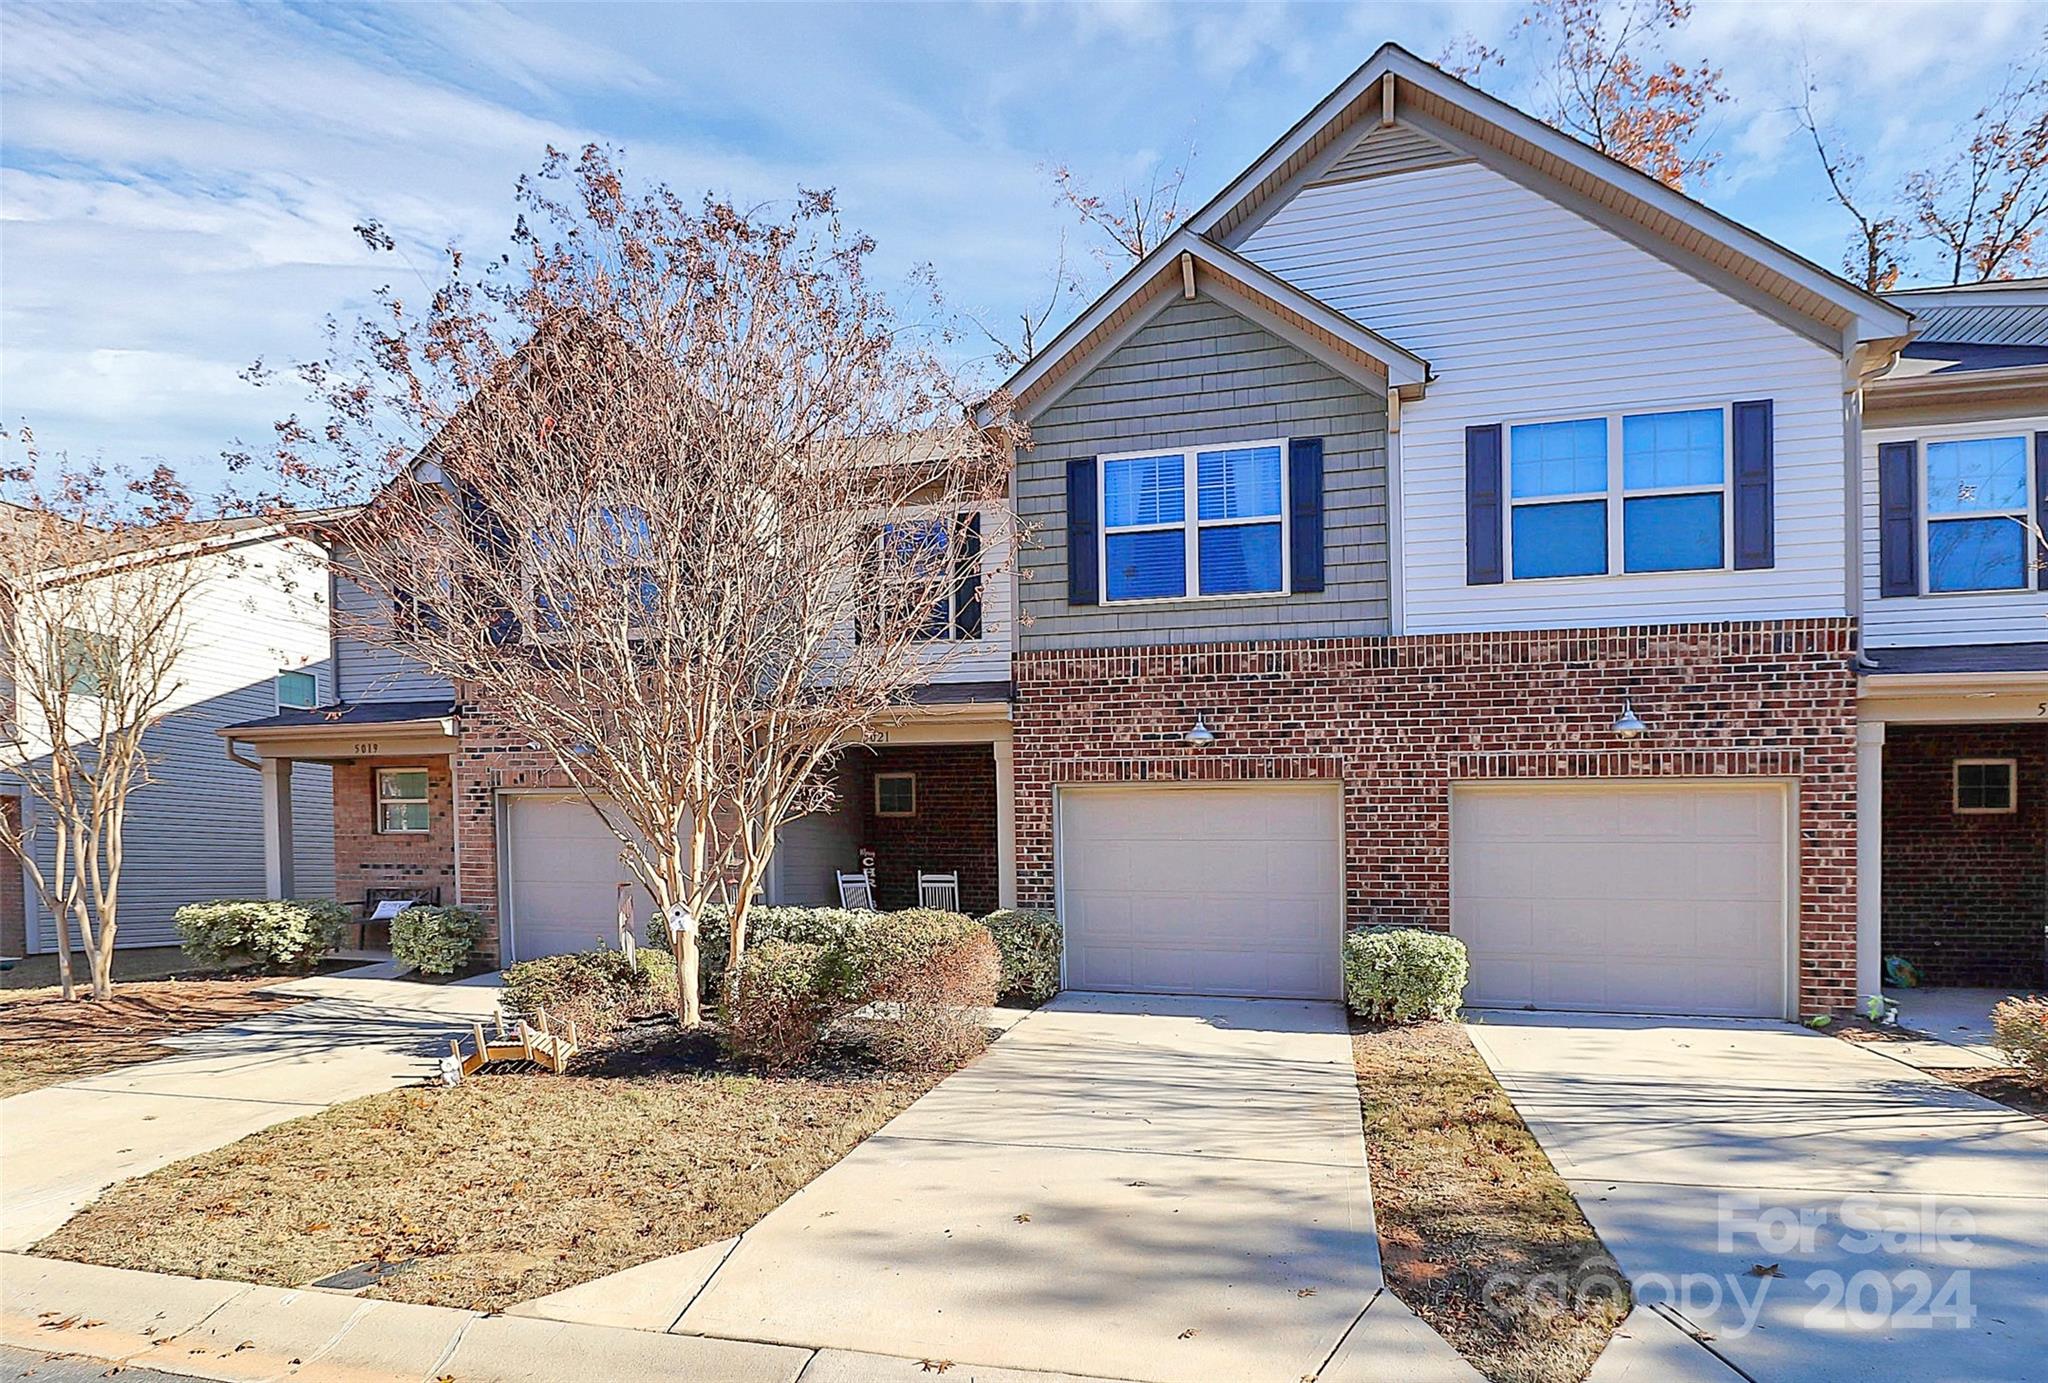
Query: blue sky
{"type": "Point", "coordinates": [178, 183]}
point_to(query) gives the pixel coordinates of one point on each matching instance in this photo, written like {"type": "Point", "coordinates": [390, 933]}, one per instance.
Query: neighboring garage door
{"type": "Point", "coordinates": [1664, 899]}
{"type": "Point", "coordinates": [565, 876]}
{"type": "Point", "coordinates": [1234, 890]}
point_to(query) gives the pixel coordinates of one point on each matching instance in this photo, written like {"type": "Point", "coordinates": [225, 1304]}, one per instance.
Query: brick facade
{"type": "Point", "coordinates": [1965, 896]}
{"type": "Point", "coordinates": [954, 827]}
{"type": "Point", "coordinates": [1398, 720]}
{"type": "Point", "coordinates": [13, 896]}
{"type": "Point", "coordinates": [365, 858]}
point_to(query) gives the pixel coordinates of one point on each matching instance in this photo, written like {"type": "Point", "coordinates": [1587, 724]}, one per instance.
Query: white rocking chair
{"type": "Point", "coordinates": [941, 891]}
{"type": "Point", "coordinates": [856, 892]}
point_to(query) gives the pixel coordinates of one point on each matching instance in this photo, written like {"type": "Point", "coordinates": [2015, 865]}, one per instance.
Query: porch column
{"type": "Point", "coordinates": [1869, 857]}
{"type": "Point", "coordinates": [277, 829]}
{"type": "Point", "coordinates": [1006, 825]}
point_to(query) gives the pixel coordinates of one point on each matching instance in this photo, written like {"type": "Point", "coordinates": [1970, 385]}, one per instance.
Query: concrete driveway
{"type": "Point", "coordinates": [1146, 1188]}
{"type": "Point", "coordinates": [1908, 1218]}
{"type": "Point", "coordinates": [358, 1032]}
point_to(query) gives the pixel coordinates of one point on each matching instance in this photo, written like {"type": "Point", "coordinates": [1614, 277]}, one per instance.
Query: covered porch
{"type": "Point", "coordinates": [1952, 828]}
{"type": "Point", "coordinates": [390, 763]}
{"type": "Point", "coordinates": [931, 793]}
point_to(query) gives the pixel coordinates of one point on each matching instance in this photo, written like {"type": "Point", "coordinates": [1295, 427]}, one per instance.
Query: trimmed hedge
{"type": "Point", "coordinates": [816, 926]}
{"type": "Point", "coordinates": [435, 941]}
{"type": "Point", "coordinates": [1028, 943]}
{"type": "Point", "coordinates": [598, 990]}
{"type": "Point", "coordinates": [922, 976]}
{"type": "Point", "coordinates": [2021, 1028]}
{"type": "Point", "coordinates": [1403, 974]}
{"type": "Point", "coordinates": [289, 933]}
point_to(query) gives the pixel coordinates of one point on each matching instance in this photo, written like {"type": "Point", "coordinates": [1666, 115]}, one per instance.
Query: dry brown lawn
{"type": "Point", "coordinates": [46, 1041]}
{"type": "Point", "coordinates": [501, 1189]}
{"type": "Point", "coordinates": [1476, 1228]}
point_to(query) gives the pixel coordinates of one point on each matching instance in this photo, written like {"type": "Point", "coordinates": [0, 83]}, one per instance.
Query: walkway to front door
{"type": "Point", "coordinates": [1142, 1187]}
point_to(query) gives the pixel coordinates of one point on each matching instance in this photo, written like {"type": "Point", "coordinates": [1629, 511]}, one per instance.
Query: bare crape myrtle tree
{"type": "Point", "coordinates": [671, 494]}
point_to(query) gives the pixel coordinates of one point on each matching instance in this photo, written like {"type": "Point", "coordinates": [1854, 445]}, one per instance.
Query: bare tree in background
{"type": "Point", "coordinates": [1609, 85]}
{"type": "Point", "coordinates": [98, 574]}
{"type": "Point", "coordinates": [1872, 258]}
{"type": "Point", "coordinates": [1982, 204]}
{"type": "Point", "coordinates": [1134, 219]}
{"type": "Point", "coordinates": [687, 497]}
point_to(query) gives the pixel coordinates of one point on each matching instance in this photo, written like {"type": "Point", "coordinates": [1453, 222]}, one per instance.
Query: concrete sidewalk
{"type": "Point", "coordinates": [238, 1333]}
{"type": "Point", "coordinates": [358, 1032]}
{"type": "Point", "coordinates": [1898, 1221]}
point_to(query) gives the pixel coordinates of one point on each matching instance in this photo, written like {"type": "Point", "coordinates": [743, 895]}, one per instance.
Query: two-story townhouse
{"type": "Point", "coordinates": [1450, 526]}
{"type": "Point", "coordinates": [255, 640]}
{"type": "Point", "coordinates": [1953, 711]}
{"type": "Point", "coordinates": [433, 798]}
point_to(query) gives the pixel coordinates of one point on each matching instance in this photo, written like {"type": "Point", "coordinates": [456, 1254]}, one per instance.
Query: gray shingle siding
{"type": "Point", "coordinates": [1199, 373]}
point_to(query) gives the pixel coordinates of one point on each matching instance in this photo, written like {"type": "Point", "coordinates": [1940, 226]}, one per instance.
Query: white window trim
{"type": "Point", "coordinates": [1924, 446]}
{"type": "Point", "coordinates": [277, 688]}
{"type": "Point", "coordinates": [1191, 524]}
{"type": "Point", "coordinates": [910, 778]}
{"type": "Point", "coordinates": [379, 828]}
{"type": "Point", "coordinates": [1955, 780]}
{"type": "Point", "coordinates": [916, 513]}
{"type": "Point", "coordinates": [1617, 492]}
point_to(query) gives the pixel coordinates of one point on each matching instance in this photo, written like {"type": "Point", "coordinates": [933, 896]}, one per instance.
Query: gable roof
{"type": "Point", "coordinates": [1456, 114]}
{"type": "Point", "coordinates": [1185, 264]}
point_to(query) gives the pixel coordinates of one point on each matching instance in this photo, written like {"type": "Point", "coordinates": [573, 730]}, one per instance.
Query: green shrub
{"type": "Point", "coordinates": [599, 991]}
{"type": "Point", "coordinates": [1028, 945]}
{"type": "Point", "coordinates": [1403, 974]}
{"type": "Point", "coordinates": [435, 941]}
{"type": "Point", "coordinates": [290, 933]}
{"type": "Point", "coordinates": [783, 1003]}
{"type": "Point", "coordinates": [2021, 1027]}
{"type": "Point", "coordinates": [920, 977]}
{"type": "Point", "coordinates": [818, 926]}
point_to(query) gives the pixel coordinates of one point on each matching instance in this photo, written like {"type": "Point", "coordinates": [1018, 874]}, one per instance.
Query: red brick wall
{"type": "Point", "coordinates": [13, 899]}
{"type": "Point", "coordinates": [364, 858]}
{"type": "Point", "coordinates": [1965, 896]}
{"type": "Point", "coordinates": [954, 827]}
{"type": "Point", "coordinates": [1398, 720]}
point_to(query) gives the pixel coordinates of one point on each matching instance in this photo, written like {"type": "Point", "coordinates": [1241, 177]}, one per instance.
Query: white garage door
{"type": "Point", "coordinates": [1665, 899]}
{"type": "Point", "coordinates": [565, 876]}
{"type": "Point", "coordinates": [1236, 890]}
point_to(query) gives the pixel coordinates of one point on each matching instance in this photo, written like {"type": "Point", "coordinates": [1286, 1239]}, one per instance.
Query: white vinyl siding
{"type": "Point", "coordinates": [196, 830]}
{"type": "Point", "coordinates": [1960, 617]}
{"type": "Point", "coordinates": [1526, 310]}
{"type": "Point", "coordinates": [986, 659]}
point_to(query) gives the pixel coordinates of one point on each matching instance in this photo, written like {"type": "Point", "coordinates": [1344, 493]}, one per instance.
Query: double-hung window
{"type": "Point", "coordinates": [401, 801]}
{"type": "Point", "coordinates": [1629, 492]}
{"type": "Point", "coordinates": [1231, 541]}
{"type": "Point", "coordinates": [937, 559]}
{"type": "Point", "coordinates": [1978, 502]}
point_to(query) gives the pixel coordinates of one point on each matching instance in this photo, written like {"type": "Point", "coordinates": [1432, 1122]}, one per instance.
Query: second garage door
{"type": "Point", "coordinates": [1657, 899]}
{"type": "Point", "coordinates": [1236, 891]}
{"type": "Point", "coordinates": [565, 875]}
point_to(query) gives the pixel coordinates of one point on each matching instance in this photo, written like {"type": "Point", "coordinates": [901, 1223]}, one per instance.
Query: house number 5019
{"type": "Point", "coordinates": [366, 746]}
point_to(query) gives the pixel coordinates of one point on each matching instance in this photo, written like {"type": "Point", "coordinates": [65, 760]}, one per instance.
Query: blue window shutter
{"type": "Point", "coordinates": [2041, 511]}
{"type": "Point", "coordinates": [1305, 513]}
{"type": "Point", "coordinates": [967, 579]}
{"type": "Point", "coordinates": [1898, 518]}
{"type": "Point", "coordinates": [1483, 565]}
{"type": "Point", "coordinates": [1083, 583]}
{"type": "Point", "coordinates": [1755, 504]}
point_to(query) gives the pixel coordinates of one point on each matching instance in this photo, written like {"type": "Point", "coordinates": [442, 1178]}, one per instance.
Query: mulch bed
{"type": "Point", "coordinates": [46, 1040]}
{"type": "Point", "coordinates": [2008, 1085]}
{"type": "Point", "coordinates": [505, 1187]}
{"type": "Point", "coordinates": [1476, 1227]}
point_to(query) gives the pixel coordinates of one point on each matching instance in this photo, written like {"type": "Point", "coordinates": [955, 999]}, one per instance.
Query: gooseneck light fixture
{"type": "Point", "coordinates": [1628, 724]}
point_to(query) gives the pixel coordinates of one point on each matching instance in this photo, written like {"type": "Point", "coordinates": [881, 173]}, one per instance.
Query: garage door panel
{"type": "Point", "coordinates": [1203, 890]}
{"type": "Point", "coordinates": [1661, 899]}
{"type": "Point", "coordinates": [565, 871]}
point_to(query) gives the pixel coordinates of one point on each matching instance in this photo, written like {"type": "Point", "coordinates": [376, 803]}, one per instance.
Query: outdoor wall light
{"type": "Point", "coordinates": [1628, 724]}
{"type": "Point", "coordinates": [1199, 735]}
